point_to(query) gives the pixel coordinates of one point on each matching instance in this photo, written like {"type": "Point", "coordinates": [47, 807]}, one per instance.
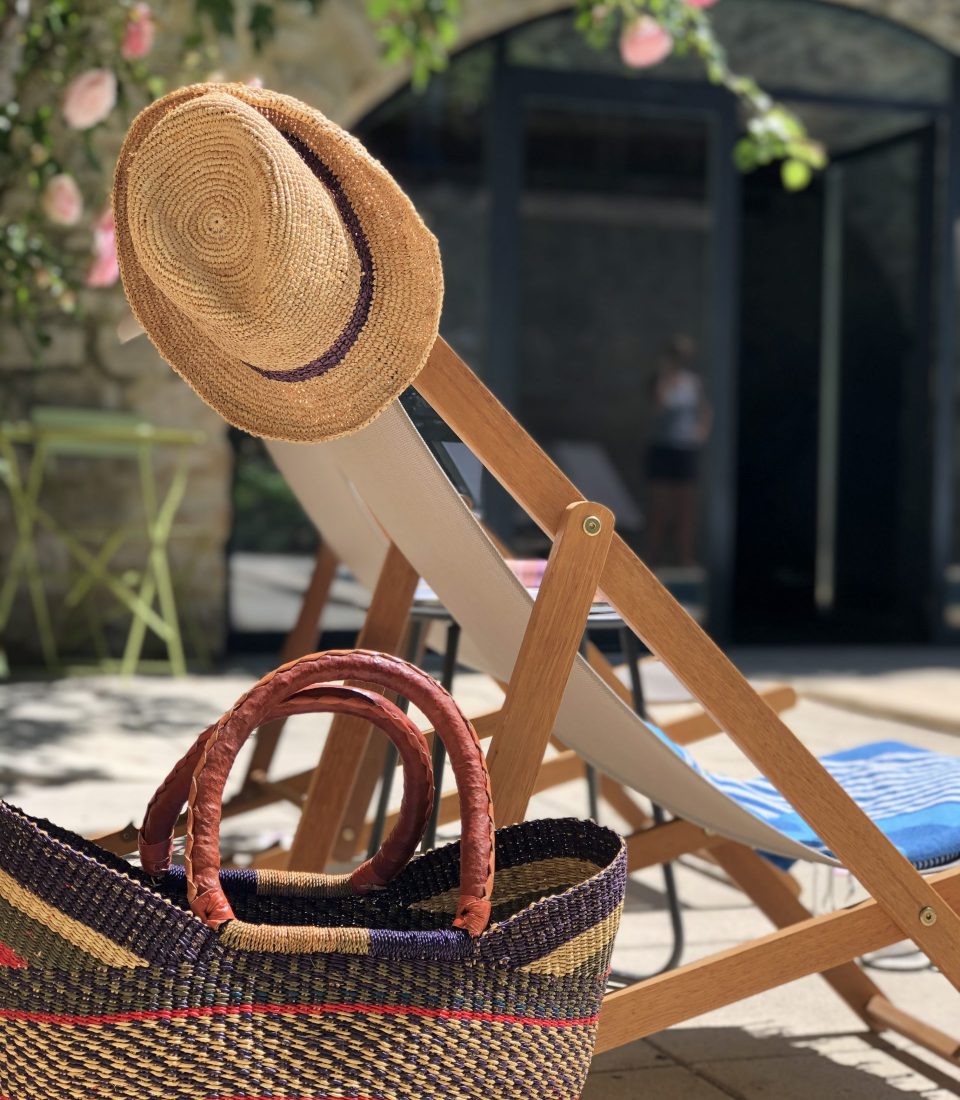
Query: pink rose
{"type": "Point", "coordinates": [61, 200]}
{"type": "Point", "coordinates": [89, 98]}
{"type": "Point", "coordinates": [701, 3]}
{"type": "Point", "coordinates": [644, 43]}
{"type": "Point", "coordinates": [138, 33]}
{"type": "Point", "coordinates": [104, 271]}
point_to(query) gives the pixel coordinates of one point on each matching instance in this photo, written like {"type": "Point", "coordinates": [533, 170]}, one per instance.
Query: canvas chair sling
{"type": "Point", "coordinates": [403, 486]}
{"type": "Point", "coordinates": [353, 534]}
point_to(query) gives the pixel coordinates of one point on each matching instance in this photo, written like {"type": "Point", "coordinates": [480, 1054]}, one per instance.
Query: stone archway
{"type": "Point", "coordinates": [348, 80]}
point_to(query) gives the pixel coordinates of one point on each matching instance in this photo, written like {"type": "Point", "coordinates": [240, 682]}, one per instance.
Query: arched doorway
{"type": "Point", "coordinates": [588, 217]}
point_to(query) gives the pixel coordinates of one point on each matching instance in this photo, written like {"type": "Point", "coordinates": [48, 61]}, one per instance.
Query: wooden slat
{"type": "Point", "coordinates": [883, 1014]}
{"type": "Point", "coordinates": [562, 768]}
{"type": "Point", "coordinates": [506, 450]}
{"type": "Point", "coordinates": [810, 947]}
{"type": "Point", "coordinates": [621, 800]}
{"type": "Point", "coordinates": [369, 774]}
{"type": "Point", "coordinates": [543, 665]}
{"type": "Point", "coordinates": [253, 797]}
{"type": "Point", "coordinates": [347, 739]}
{"type": "Point", "coordinates": [667, 842]}
{"type": "Point", "coordinates": [764, 885]}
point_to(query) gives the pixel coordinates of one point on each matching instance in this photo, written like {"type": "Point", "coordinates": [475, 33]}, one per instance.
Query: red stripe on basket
{"type": "Point", "coordinates": [289, 1010]}
{"type": "Point", "coordinates": [9, 958]}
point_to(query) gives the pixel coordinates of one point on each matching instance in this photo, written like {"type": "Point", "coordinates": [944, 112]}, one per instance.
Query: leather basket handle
{"type": "Point", "coordinates": [155, 839]}
{"type": "Point", "coordinates": [219, 751]}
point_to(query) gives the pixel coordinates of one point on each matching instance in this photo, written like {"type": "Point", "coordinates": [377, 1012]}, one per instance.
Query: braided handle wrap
{"type": "Point", "coordinates": [156, 835]}
{"type": "Point", "coordinates": [220, 748]}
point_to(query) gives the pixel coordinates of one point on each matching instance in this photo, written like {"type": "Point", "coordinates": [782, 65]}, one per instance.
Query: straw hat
{"type": "Point", "coordinates": [276, 266]}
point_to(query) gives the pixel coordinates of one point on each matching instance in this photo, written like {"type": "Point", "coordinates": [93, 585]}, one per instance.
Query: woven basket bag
{"type": "Point", "coordinates": [410, 977]}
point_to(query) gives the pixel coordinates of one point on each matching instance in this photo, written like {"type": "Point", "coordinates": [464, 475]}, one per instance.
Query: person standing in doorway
{"type": "Point", "coordinates": [681, 423]}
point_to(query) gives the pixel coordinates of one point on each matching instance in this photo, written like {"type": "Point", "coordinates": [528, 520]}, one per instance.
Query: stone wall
{"type": "Point", "coordinates": [336, 67]}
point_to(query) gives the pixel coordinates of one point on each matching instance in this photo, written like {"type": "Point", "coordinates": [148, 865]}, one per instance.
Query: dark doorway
{"type": "Point", "coordinates": [833, 443]}
{"type": "Point", "coordinates": [614, 222]}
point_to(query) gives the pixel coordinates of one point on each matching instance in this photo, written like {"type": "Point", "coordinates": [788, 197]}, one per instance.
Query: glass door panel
{"type": "Point", "coordinates": [608, 346]}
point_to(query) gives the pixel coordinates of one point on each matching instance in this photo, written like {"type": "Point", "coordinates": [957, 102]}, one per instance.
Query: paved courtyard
{"type": "Point", "coordinates": [89, 752]}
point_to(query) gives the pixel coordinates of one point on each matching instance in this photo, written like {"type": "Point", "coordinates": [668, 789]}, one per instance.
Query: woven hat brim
{"type": "Point", "coordinates": [404, 313]}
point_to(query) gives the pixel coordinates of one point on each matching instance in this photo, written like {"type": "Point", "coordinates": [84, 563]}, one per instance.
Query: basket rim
{"type": "Point", "coordinates": [168, 932]}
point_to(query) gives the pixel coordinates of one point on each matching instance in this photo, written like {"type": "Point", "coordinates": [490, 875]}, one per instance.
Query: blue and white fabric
{"type": "Point", "coordinates": [912, 794]}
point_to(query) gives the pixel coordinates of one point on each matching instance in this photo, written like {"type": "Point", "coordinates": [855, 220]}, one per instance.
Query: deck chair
{"type": "Point", "coordinates": [799, 812]}
{"type": "Point", "coordinates": [350, 534]}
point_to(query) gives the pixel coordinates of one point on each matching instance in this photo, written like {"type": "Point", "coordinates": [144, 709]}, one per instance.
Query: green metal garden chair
{"type": "Point", "coordinates": [29, 451]}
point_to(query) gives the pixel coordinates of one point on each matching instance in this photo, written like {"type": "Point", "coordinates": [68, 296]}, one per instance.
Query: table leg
{"type": "Point", "coordinates": [414, 643]}
{"type": "Point", "coordinates": [632, 654]}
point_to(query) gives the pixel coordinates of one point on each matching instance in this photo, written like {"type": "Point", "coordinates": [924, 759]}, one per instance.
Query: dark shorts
{"type": "Point", "coordinates": [672, 463]}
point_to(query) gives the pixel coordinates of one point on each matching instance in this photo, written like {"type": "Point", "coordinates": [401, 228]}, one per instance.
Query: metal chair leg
{"type": "Point", "coordinates": [414, 642]}
{"type": "Point", "coordinates": [439, 752]}
{"type": "Point", "coordinates": [593, 779]}
{"type": "Point", "coordinates": [632, 653]}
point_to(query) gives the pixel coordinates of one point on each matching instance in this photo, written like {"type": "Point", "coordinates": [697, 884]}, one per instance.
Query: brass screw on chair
{"type": "Point", "coordinates": [592, 525]}
{"type": "Point", "coordinates": [928, 916]}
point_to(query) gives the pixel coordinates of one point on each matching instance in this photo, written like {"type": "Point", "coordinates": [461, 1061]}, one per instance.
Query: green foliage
{"type": "Point", "coordinates": [45, 44]}
{"type": "Point", "coordinates": [422, 32]}
{"type": "Point", "coordinates": [221, 14]}
{"type": "Point", "coordinates": [261, 25]}
{"type": "Point", "coordinates": [774, 133]}
{"type": "Point", "coordinates": [267, 516]}
{"type": "Point", "coordinates": [418, 32]}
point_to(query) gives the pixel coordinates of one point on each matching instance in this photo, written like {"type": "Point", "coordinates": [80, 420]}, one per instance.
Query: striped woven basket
{"type": "Point", "coordinates": [192, 983]}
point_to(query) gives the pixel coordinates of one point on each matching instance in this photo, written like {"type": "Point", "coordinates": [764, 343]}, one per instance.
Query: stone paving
{"type": "Point", "coordinates": [89, 751]}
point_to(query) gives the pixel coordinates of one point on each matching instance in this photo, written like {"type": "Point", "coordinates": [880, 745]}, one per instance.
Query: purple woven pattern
{"type": "Point", "coordinates": [264, 1026]}
{"type": "Point", "coordinates": [152, 919]}
{"type": "Point", "coordinates": [104, 976]}
{"type": "Point", "coordinates": [335, 354]}
{"type": "Point", "coordinates": [548, 923]}
{"type": "Point", "coordinates": [102, 892]}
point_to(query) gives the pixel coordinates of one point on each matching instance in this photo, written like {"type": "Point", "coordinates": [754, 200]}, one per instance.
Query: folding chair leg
{"type": "Point", "coordinates": [761, 881]}
{"type": "Point", "coordinates": [812, 946]}
{"type": "Point", "coordinates": [166, 600]}
{"type": "Point", "coordinates": [537, 484]}
{"type": "Point", "coordinates": [138, 626]}
{"type": "Point", "coordinates": [762, 884]}
{"type": "Point", "coordinates": [347, 739]}
{"type": "Point", "coordinates": [766, 886]}
{"type": "Point", "coordinates": [619, 798]}
{"type": "Point", "coordinates": [546, 657]}
{"type": "Point", "coordinates": [301, 640]}
{"type": "Point", "coordinates": [885, 1016]}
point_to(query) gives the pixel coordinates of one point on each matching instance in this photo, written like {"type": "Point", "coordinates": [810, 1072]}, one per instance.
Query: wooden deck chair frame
{"type": "Point", "coordinates": [384, 628]}
{"type": "Point", "coordinates": [586, 554]}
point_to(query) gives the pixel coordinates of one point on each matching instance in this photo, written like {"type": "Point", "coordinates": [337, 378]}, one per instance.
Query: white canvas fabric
{"type": "Point", "coordinates": [400, 482]}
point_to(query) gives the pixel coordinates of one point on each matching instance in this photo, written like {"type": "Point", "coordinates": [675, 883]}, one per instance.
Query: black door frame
{"type": "Point", "coordinates": [915, 523]}
{"type": "Point", "coordinates": [715, 107]}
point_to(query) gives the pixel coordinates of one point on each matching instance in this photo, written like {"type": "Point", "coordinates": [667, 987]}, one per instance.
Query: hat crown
{"type": "Point", "coordinates": [234, 228]}
{"type": "Point", "coordinates": [275, 265]}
